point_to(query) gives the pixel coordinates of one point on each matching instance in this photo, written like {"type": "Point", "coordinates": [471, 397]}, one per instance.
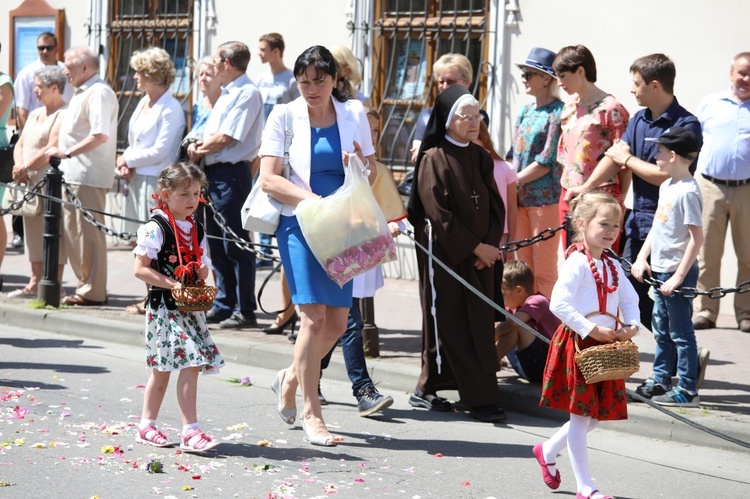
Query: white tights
{"type": "Point", "coordinates": [573, 434]}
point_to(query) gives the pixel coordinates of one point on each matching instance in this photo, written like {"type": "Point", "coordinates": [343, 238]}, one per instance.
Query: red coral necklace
{"type": "Point", "coordinates": [187, 244]}
{"type": "Point", "coordinates": [602, 289]}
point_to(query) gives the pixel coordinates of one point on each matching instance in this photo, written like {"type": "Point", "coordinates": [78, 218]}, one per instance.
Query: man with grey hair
{"type": "Point", "coordinates": [724, 181]}
{"type": "Point", "coordinates": [231, 140]}
{"type": "Point", "coordinates": [87, 148]}
{"type": "Point", "coordinates": [26, 100]}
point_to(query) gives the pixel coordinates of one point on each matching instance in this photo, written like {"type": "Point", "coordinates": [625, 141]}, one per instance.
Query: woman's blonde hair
{"type": "Point", "coordinates": [155, 63]}
{"type": "Point", "coordinates": [586, 206]}
{"type": "Point", "coordinates": [458, 61]}
{"type": "Point", "coordinates": [345, 59]}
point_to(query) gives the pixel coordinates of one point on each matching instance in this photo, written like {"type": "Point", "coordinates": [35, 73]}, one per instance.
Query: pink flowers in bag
{"type": "Point", "coordinates": [346, 231]}
{"type": "Point", "coordinates": [359, 259]}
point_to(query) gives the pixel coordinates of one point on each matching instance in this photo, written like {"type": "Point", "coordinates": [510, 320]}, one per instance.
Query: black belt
{"type": "Point", "coordinates": [216, 166]}
{"type": "Point", "coordinates": [728, 183]}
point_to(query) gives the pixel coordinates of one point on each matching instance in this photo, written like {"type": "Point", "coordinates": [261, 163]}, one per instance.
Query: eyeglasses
{"type": "Point", "coordinates": [217, 60]}
{"type": "Point", "coordinates": [468, 117]}
{"type": "Point", "coordinates": [527, 75]}
{"type": "Point", "coordinates": [47, 48]}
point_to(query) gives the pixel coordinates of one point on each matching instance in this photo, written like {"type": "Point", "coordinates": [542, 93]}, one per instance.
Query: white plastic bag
{"type": "Point", "coordinates": [346, 231]}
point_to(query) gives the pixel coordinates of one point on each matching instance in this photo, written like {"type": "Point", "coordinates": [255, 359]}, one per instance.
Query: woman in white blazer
{"type": "Point", "coordinates": [327, 128]}
{"type": "Point", "coordinates": [154, 134]}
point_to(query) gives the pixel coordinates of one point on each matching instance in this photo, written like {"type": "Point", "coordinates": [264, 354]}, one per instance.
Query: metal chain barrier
{"type": "Point", "coordinates": [542, 236]}
{"type": "Point", "coordinates": [241, 243]}
{"type": "Point", "coordinates": [30, 194]}
{"type": "Point", "coordinates": [89, 217]}
{"type": "Point", "coordinates": [688, 292]}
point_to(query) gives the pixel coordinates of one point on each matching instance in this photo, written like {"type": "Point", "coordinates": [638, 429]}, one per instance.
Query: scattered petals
{"type": "Point", "coordinates": [438, 454]}
{"type": "Point", "coordinates": [264, 443]}
{"type": "Point", "coordinates": [187, 487]}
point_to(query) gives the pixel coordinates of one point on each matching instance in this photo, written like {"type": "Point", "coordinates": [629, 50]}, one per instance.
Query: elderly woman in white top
{"type": "Point", "coordinates": [40, 132]}
{"type": "Point", "coordinates": [154, 135]}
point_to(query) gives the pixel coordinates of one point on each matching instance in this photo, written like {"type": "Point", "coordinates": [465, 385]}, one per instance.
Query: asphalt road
{"type": "Point", "coordinates": [68, 408]}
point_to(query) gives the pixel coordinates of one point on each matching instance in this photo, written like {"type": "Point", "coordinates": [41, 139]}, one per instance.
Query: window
{"type": "Point", "coordinates": [408, 37]}
{"type": "Point", "coordinates": [139, 24]}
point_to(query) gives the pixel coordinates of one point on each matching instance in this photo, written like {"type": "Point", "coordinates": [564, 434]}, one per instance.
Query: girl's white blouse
{"type": "Point", "coordinates": [150, 238]}
{"type": "Point", "coordinates": [574, 296]}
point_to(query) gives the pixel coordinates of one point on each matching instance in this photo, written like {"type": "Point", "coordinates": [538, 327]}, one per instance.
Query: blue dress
{"type": "Point", "coordinates": [308, 281]}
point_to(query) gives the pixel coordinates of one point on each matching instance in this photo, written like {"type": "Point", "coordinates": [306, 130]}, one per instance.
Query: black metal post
{"type": "Point", "coordinates": [49, 286]}
{"type": "Point", "coordinates": [370, 334]}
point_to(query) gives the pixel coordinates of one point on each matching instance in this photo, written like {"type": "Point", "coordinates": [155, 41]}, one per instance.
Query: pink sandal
{"type": "Point", "coordinates": [202, 444]}
{"type": "Point", "coordinates": [151, 436]}
{"type": "Point", "coordinates": [593, 492]}
{"type": "Point", "coordinates": [552, 482]}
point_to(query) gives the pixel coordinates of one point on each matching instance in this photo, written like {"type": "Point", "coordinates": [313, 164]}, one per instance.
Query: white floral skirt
{"type": "Point", "coordinates": [176, 340]}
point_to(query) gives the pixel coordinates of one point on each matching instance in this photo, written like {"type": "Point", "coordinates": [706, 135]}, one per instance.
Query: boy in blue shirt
{"type": "Point", "coordinates": [673, 243]}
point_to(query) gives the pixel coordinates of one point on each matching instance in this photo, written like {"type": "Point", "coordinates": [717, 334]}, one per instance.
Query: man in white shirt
{"type": "Point", "coordinates": [26, 100]}
{"type": "Point", "coordinates": [231, 141]}
{"type": "Point", "coordinates": [87, 148]}
{"type": "Point", "coordinates": [277, 86]}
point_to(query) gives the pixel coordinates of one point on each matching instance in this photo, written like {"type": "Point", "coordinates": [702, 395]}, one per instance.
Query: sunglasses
{"type": "Point", "coordinates": [47, 48]}
{"type": "Point", "coordinates": [527, 75]}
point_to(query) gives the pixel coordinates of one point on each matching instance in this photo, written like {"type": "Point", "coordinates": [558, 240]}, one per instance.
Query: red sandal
{"type": "Point", "coordinates": [552, 482]}
{"type": "Point", "coordinates": [151, 436]}
{"type": "Point", "coordinates": [202, 444]}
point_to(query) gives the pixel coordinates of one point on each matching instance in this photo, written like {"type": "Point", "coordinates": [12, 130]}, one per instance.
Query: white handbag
{"type": "Point", "coordinates": [261, 212]}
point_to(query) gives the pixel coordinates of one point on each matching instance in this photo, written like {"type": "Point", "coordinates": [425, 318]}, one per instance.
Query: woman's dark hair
{"type": "Point", "coordinates": [572, 57]}
{"type": "Point", "coordinates": [324, 63]}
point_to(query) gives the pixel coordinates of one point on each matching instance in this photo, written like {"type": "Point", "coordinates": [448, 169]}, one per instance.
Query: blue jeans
{"type": "Point", "coordinates": [674, 334]}
{"type": "Point", "coordinates": [353, 349]}
{"type": "Point", "coordinates": [228, 186]}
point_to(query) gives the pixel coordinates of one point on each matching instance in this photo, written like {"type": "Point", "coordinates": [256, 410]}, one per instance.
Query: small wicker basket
{"type": "Point", "coordinates": [194, 298]}
{"type": "Point", "coordinates": [618, 360]}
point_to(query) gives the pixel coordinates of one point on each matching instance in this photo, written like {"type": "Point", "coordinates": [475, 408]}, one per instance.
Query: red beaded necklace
{"type": "Point", "coordinates": [187, 244]}
{"type": "Point", "coordinates": [602, 287]}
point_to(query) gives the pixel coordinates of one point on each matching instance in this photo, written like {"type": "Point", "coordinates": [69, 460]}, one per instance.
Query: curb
{"type": "Point", "coordinates": [518, 396]}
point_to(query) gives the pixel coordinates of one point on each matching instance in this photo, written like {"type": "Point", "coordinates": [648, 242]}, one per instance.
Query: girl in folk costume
{"type": "Point", "coordinates": [170, 248]}
{"type": "Point", "coordinates": [589, 286]}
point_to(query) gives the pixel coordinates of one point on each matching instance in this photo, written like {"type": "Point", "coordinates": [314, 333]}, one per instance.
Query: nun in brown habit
{"type": "Point", "coordinates": [457, 211]}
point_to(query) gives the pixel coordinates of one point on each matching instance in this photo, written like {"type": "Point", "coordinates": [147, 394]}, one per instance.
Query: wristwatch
{"type": "Point", "coordinates": [67, 153]}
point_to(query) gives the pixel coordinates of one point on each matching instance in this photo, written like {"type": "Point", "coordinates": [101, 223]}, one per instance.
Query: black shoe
{"type": "Point", "coordinates": [429, 401]}
{"type": "Point", "coordinates": [280, 329]}
{"type": "Point", "coordinates": [650, 388]}
{"type": "Point", "coordinates": [292, 337]}
{"type": "Point", "coordinates": [238, 321]}
{"type": "Point", "coordinates": [489, 414]}
{"type": "Point", "coordinates": [370, 401]}
{"type": "Point", "coordinates": [213, 317]}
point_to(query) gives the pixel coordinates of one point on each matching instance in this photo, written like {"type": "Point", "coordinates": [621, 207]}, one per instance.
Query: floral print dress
{"type": "Point", "coordinates": [174, 340]}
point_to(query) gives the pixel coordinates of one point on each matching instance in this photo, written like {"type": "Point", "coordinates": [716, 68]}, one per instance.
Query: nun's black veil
{"type": "Point", "coordinates": [433, 135]}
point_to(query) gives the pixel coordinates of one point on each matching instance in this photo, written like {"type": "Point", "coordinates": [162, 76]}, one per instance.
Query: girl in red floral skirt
{"type": "Point", "coordinates": [589, 285]}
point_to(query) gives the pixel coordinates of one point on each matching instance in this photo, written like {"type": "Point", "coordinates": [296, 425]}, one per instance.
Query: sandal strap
{"type": "Point", "coordinates": [202, 441]}
{"type": "Point", "coordinates": [156, 434]}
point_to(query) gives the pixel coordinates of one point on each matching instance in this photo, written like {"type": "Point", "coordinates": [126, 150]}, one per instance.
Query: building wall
{"type": "Point", "coordinates": [242, 20]}
{"type": "Point", "coordinates": [701, 37]}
